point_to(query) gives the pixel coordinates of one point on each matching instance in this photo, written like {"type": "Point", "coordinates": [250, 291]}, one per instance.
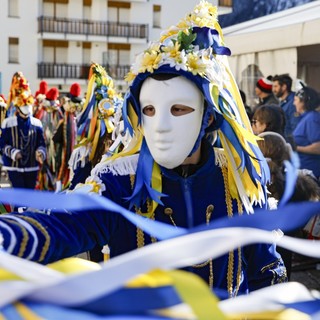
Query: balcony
{"type": "Point", "coordinates": [77, 71]}
{"type": "Point", "coordinates": [94, 28]}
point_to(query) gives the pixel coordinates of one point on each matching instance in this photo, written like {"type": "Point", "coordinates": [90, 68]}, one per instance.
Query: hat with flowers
{"type": "Point", "coordinates": [195, 49]}
{"type": "Point", "coordinates": [20, 94]}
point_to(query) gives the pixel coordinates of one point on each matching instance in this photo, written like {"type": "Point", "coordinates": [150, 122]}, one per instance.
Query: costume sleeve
{"type": "Point", "coordinates": [80, 174]}
{"type": "Point", "coordinates": [264, 266]}
{"type": "Point", "coordinates": [51, 236]}
{"type": "Point", "coordinates": [41, 145]}
{"type": "Point", "coordinates": [6, 143]}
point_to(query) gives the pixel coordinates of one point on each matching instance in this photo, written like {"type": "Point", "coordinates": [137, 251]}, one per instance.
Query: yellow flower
{"type": "Point", "coordinates": [183, 24]}
{"type": "Point", "coordinates": [110, 92]}
{"type": "Point", "coordinates": [165, 35]}
{"type": "Point", "coordinates": [95, 186]}
{"type": "Point", "coordinates": [129, 77]}
{"type": "Point", "coordinates": [195, 65]}
{"type": "Point", "coordinates": [150, 61]}
{"type": "Point", "coordinates": [173, 51]}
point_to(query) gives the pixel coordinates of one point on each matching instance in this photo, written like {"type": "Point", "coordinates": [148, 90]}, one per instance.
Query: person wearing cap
{"type": "Point", "coordinates": [64, 136]}
{"type": "Point", "coordinates": [307, 133]}
{"type": "Point", "coordinates": [76, 101]}
{"type": "Point", "coordinates": [264, 93]}
{"type": "Point", "coordinates": [40, 95]}
{"type": "Point", "coordinates": [180, 90]}
{"type": "Point", "coordinates": [50, 114]}
{"type": "Point", "coordinates": [282, 89]}
{"type": "Point", "coordinates": [22, 142]}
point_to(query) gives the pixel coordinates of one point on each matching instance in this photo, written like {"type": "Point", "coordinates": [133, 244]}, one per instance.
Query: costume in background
{"type": "Point", "coordinates": [49, 113]}
{"type": "Point", "coordinates": [22, 135]}
{"type": "Point", "coordinates": [226, 181]}
{"type": "Point", "coordinates": [3, 108]}
{"type": "Point", "coordinates": [40, 96]}
{"type": "Point", "coordinates": [96, 123]}
{"type": "Point", "coordinates": [18, 85]}
{"type": "Point", "coordinates": [64, 136]}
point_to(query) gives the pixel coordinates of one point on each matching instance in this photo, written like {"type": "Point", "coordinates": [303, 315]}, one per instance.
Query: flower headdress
{"type": "Point", "coordinates": [194, 48]}
{"type": "Point", "coordinates": [99, 110]}
{"type": "Point", "coordinates": [20, 94]}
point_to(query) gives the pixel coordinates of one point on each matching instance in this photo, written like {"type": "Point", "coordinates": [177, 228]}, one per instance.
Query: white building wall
{"type": "Point", "coordinates": [31, 51]}
{"type": "Point", "coordinates": [25, 29]}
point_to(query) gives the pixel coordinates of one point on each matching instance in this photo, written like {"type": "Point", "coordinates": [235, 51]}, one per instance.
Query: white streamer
{"type": "Point", "coordinates": [167, 254]}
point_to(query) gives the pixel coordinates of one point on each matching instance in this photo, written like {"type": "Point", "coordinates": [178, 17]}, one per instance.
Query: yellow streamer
{"type": "Point", "coordinates": [25, 312]}
{"type": "Point", "coordinates": [74, 265]}
{"type": "Point", "coordinates": [196, 293]}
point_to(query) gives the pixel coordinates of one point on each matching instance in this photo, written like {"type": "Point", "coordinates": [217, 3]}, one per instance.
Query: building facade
{"type": "Point", "coordinates": [56, 40]}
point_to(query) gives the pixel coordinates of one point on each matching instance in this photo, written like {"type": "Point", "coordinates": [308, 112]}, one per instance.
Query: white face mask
{"type": "Point", "coordinates": [172, 113]}
{"type": "Point", "coordinates": [26, 110]}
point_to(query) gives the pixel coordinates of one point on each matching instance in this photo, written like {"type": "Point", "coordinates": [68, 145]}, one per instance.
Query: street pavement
{"type": "Point", "coordinates": [305, 270]}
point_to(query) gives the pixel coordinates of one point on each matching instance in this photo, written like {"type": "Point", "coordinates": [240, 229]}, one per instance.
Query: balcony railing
{"type": "Point", "coordinates": [77, 71]}
{"type": "Point", "coordinates": [90, 27]}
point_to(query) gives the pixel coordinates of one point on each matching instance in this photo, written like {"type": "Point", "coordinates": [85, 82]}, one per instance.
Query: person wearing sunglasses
{"type": "Point", "coordinates": [268, 118]}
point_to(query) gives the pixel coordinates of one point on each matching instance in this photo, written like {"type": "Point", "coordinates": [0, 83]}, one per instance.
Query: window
{"type": "Point", "coordinates": [116, 59]}
{"type": "Point", "coordinates": [13, 50]}
{"type": "Point", "coordinates": [13, 8]}
{"type": "Point", "coordinates": [119, 11]}
{"type": "Point", "coordinates": [157, 16]}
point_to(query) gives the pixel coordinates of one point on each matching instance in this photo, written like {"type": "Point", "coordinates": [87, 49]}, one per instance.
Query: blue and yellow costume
{"type": "Point", "coordinates": [226, 181]}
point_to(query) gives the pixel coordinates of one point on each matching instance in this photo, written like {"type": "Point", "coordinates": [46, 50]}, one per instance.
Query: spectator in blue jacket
{"type": "Point", "coordinates": [281, 88]}
{"type": "Point", "coordinates": [307, 133]}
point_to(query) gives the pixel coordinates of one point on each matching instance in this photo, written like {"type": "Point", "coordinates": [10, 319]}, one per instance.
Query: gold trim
{"type": "Point", "coordinates": [44, 232]}
{"type": "Point", "coordinates": [25, 238]}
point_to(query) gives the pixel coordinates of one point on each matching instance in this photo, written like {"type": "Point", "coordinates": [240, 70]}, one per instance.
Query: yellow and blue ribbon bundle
{"type": "Point", "coordinates": [143, 284]}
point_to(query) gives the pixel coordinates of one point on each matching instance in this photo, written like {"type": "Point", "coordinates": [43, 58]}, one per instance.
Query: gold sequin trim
{"type": "Point", "coordinates": [44, 232]}
{"type": "Point", "coordinates": [25, 239]}
{"type": "Point", "coordinates": [139, 232]}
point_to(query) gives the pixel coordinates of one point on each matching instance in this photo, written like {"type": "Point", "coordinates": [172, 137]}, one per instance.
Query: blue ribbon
{"type": "Point", "coordinates": [287, 218]}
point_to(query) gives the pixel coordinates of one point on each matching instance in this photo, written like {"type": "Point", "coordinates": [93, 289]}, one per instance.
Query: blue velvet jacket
{"type": "Point", "coordinates": [25, 136]}
{"type": "Point", "coordinates": [65, 234]}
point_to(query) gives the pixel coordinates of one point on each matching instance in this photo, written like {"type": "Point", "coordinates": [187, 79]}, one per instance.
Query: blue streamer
{"type": "Point", "coordinates": [289, 217]}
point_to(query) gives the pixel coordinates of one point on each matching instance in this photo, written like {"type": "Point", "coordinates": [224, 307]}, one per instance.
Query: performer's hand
{"type": "Point", "coordinates": [18, 156]}
{"type": "Point", "coordinates": [39, 157]}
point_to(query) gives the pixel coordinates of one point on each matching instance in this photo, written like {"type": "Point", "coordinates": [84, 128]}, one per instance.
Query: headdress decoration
{"type": "Point", "coordinates": [40, 94]}
{"type": "Point", "coordinates": [20, 94]}
{"type": "Point", "coordinates": [3, 101]}
{"type": "Point", "coordinates": [74, 94]}
{"type": "Point", "coordinates": [51, 101]}
{"type": "Point", "coordinates": [194, 48]}
{"type": "Point", "coordinates": [99, 110]}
